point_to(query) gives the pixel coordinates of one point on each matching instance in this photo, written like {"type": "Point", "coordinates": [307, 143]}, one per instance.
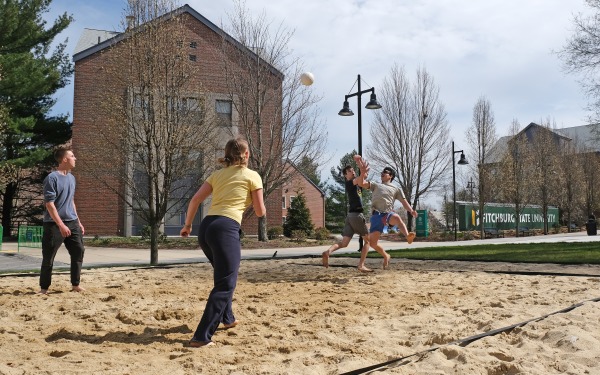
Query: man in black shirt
{"type": "Point", "coordinates": [355, 221]}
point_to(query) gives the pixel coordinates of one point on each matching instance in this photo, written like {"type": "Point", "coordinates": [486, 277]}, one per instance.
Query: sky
{"type": "Point", "coordinates": [500, 49]}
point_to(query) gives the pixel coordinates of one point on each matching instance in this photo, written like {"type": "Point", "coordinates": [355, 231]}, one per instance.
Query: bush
{"type": "Point", "coordinates": [322, 233]}
{"type": "Point", "coordinates": [298, 217]}
{"type": "Point", "coordinates": [274, 232]}
{"type": "Point", "coordinates": [298, 235]}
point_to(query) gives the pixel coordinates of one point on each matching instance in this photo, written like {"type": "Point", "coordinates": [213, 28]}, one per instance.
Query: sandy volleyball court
{"type": "Point", "coordinates": [300, 318]}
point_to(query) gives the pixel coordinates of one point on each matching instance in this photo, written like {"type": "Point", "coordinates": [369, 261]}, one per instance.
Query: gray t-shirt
{"type": "Point", "coordinates": [60, 189]}
{"type": "Point", "coordinates": [384, 196]}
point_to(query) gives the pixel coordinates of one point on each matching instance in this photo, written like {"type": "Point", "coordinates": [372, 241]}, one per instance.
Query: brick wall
{"type": "Point", "coordinates": [100, 208]}
{"type": "Point", "coordinates": [315, 200]}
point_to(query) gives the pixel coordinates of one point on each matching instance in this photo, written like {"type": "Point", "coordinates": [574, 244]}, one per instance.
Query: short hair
{"type": "Point", "coordinates": [234, 152]}
{"type": "Point", "coordinates": [60, 153]}
{"type": "Point", "coordinates": [390, 171]}
{"type": "Point", "coordinates": [346, 169]}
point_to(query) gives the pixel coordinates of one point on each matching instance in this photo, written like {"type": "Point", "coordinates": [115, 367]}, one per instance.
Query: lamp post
{"type": "Point", "coordinates": [471, 186]}
{"type": "Point", "coordinates": [462, 161]}
{"type": "Point", "coordinates": [346, 111]}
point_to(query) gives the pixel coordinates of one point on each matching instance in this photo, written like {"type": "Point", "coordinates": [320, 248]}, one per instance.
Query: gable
{"type": "Point", "coordinates": [93, 41]}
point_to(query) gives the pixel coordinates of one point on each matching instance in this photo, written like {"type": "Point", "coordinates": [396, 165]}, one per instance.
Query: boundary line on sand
{"type": "Point", "coordinates": [466, 341]}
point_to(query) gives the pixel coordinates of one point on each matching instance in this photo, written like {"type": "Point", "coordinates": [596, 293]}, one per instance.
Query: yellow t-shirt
{"type": "Point", "coordinates": [231, 191]}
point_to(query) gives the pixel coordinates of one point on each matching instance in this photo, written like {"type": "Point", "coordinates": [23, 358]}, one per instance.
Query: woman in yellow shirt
{"type": "Point", "coordinates": [233, 189]}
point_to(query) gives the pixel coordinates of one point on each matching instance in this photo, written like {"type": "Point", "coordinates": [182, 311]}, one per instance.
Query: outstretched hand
{"type": "Point", "coordinates": [362, 164]}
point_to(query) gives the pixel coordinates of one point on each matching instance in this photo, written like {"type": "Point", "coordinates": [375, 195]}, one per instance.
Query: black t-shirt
{"type": "Point", "coordinates": [354, 200]}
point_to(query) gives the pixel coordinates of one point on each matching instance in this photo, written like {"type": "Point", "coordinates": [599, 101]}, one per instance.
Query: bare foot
{"type": "Point", "coordinates": [199, 344]}
{"type": "Point", "coordinates": [386, 261]}
{"type": "Point", "coordinates": [364, 269]}
{"type": "Point", "coordinates": [77, 288]}
{"type": "Point", "coordinates": [43, 291]}
{"type": "Point", "coordinates": [326, 259]}
{"type": "Point", "coordinates": [411, 237]}
{"type": "Point", "coordinates": [231, 325]}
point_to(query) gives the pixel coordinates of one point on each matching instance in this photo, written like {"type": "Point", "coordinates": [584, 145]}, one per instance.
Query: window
{"type": "Point", "coordinates": [192, 57]}
{"type": "Point", "coordinates": [223, 109]}
{"type": "Point", "coordinates": [140, 101]}
{"type": "Point", "coordinates": [283, 202]}
{"type": "Point", "coordinates": [291, 200]}
{"type": "Point", "coordinates": [193, 44]}
{"type": "Point", "coordinates": [183, 104]}
{"type": "Point", "coordinates": [283, 221]}
{"type": "Point", "coordinates": [185, 109]}
{"type": "Point", "coordinates": [141, 105]}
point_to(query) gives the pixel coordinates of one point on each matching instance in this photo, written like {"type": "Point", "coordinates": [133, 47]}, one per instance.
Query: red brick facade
{"type": "Point", "coordinates": [101, 210]}
{"type": "Point", "coordinates": [315, 197]}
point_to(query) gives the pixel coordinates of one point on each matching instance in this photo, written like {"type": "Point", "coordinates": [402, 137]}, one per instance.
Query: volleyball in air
{"type": "Point", "coordinates": [307, 78]}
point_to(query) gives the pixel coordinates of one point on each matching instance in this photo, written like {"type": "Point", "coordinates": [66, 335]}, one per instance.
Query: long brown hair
{"type": "Point", "coordinates": [235, 150]}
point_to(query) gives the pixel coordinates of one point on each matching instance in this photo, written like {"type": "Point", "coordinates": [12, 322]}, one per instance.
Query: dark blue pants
{"type": "Point", "coordinates": [219, 238]}
{"type": "Point", "coordinates": [51, 241]}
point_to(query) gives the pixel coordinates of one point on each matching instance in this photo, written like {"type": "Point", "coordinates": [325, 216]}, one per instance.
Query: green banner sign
{"type": "Point", "coordinates": [503, 216]}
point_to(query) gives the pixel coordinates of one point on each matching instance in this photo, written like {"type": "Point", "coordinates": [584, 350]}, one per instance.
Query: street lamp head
{"type": "Point", "coordinates": [373, 104]}
{"type": "Point", "coordinates": [462, 160]}
{"type": "Point", "coordinates": [346, 111]}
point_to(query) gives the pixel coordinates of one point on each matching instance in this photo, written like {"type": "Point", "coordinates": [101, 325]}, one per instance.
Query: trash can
{"type": "Point", "coordinates": [422, 224]}
{"type": "Point", "coordinates": [591, 226]}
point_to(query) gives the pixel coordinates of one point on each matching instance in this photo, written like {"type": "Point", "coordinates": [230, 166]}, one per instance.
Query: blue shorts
{"type": "Point", "coordinates": [379, 220]}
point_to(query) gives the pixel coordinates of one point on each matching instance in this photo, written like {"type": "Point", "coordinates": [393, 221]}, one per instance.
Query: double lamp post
{"type": "Point", "coordinates": [346, 111]}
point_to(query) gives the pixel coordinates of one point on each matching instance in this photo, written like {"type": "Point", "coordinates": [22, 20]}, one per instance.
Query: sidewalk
{"type": "Point", "coordinates": [29, 259]}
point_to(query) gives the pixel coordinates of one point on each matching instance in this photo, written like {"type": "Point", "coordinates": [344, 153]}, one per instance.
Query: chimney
{"type": "Point", "coordinates": [129, 22]}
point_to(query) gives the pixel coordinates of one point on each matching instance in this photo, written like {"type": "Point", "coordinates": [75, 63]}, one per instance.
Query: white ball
{"type": "Point", "coordinates": [307, 78]}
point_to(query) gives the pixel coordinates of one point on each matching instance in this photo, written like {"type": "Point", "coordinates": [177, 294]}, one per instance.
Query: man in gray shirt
{"type": "Point", "coordinates": [382, 204]}
{"type": "Point", "coordinates": [61, 223]}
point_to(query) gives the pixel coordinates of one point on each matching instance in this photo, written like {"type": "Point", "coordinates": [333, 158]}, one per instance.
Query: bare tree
{"type": "Point", "coordinates": [545, 144]}
{"type": "Point", "coordinates": [512, 171]}
{"type": "Point", "coordinates": [570, 174]}
{"type": "Point", "coordinates": [410, 132]}
{"type": "Point", "coordinates": [159, 130]}
{"type": "Point", "coordinates": [581, 54]}
{"type": "Point", "coordinates": [481, 136]}
{"type": "Point", "coordinates": [276, 114]}
{"type": "Point", "coordinates": [589, 165]}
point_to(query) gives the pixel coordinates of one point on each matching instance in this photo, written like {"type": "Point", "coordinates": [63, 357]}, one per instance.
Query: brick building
{"type": "Point", "coordinates": [101, 209]}
{"type": "Point", "coordinates": [315, 197]}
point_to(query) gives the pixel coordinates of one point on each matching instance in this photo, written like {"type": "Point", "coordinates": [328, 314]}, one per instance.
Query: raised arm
{"type": "Point", "coordinates": [364, 168]}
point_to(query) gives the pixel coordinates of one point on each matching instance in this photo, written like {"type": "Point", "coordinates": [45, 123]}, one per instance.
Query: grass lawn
{"type": "Point", "coordinates": [560, 253]}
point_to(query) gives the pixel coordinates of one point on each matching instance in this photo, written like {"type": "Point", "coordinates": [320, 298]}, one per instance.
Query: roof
{"type": "Point", "coordinates": [589, 135]}
{"type": "Point", "coordinates": [586, 134]}
{"type": "Point", "coordinates": [93, 41]}
{"type": "Point", "coordinates": [92, 37]}
{"type": "Point", "coordinates": [305, 177]}
{"type": "Point", "coordinates": [498, 150]}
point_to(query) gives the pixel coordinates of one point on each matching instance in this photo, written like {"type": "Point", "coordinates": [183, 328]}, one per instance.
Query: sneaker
{"type": "Point", "coordinates": [411, 237]}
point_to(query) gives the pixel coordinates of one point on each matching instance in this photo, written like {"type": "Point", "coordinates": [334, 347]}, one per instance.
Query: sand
{"type": "Point", "coordinates": [297, 317]}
